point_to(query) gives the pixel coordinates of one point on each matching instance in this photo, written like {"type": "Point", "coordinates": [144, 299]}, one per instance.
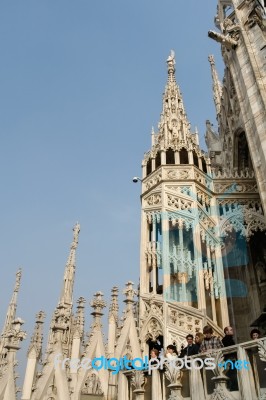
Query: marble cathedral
{"type": "Point", "coordinates": [203, 248]}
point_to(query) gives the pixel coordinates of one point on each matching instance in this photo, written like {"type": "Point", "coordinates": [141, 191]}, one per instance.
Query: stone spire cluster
{"type": "Point", "coordinates": [10, 339]}
{"type": "Point", "coordinates": [173, 127]}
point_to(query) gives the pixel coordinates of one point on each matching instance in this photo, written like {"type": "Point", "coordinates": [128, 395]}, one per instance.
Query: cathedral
{"type": "Point", "coordinates": [202, 246]}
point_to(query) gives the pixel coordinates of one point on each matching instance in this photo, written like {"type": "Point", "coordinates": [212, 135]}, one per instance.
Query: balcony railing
{"type": "Point", "coordinates": [239, 374]}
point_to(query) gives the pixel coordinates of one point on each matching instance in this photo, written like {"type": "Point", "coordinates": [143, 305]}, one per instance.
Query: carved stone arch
{"type": "Point", "coordinates": [255, 222]}
{"type": "Point", "coordinates": [195, 158]}
{"type": "Point", "coordinates": [170, 156]}
{"type": "Point", "coordinates": [148, 167]}
{"type": "Point", "coordinates": [158, 160]}
{"type": "Point", "coordinates": [183, 156]}
{"type": "Point", "coordinates": [204, 164]}
{"type": "Point", "coordinates": [151, 329]}
{"type": "Point", "coordinates": [234, 221]}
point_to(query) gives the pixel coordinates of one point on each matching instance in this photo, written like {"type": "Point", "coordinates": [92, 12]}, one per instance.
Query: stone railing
{"type": "Point", "coordinates": [239, 374]}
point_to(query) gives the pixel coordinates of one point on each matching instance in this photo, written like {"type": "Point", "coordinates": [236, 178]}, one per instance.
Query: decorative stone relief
{"type": "Point", "coordinates": [206, 221]}
{"type": "Point", "coordinates": [154, 180]}
{"type": "Point", "coordinates": [92, 385]}
{"type": "Point", "coordinates": [138, 380]}
{"type": "Point", "coordinates": [220, 392]}
{"type": "Point", "coordinates": [153, 216]}
{"type": "Point", "coordinates": [245, 218]}
{"type": "Point", "coordinates": [179, 174]}
{"type": "Point", "coordinates": [154, 200]}
{"type": "Point", "coordinates": [256, 15]}
{"type": "Point", "coordinates": [180, 189]}
{"type": "Point", "coordinates": [234, 187]}
{"type": "Point", "coordinates": [188, 323]}
{"type": "Point", "coordinates": [152, 308]}
{"type": "Point", "coordinates": [179, 204]}
{"type": "Point", "coordinates": [154, 330]}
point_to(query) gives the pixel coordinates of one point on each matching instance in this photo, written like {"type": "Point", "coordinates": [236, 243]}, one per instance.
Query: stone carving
{"type": "Point", "coordinates": [226, 40]}
{"type": "Point", "coordinates": [256, 14]}
{"type": "Point", "coordinates": [92, 385]}
{"type": "Point", "coordinates": [174, 376]}
{"type": "Point", "coordinates": [234, 187]}
{"type": "Point", "coordinates": [153, 308]}
{"type": "Point", "coordinates": [137, 380]}
{"type": "Point", "coordinates": [180, 189]}
{"type": "Point", "coordinates": [179, 203]}
{"type": "Point", "coordinates": [154, 330]}
{"type": "Point", "coordinates": [179, 174]}
{"type": "Point", "coordinates": [260, 269]}
{"type": "Point", "coordinates": [154, 180]}
{"type": "Point", "coordinates": [185, 321]}
{"type": "Point", "coordinates": [15, 335]}
{"type": "Point", "coordinates": [220, 392]}
{"type": "Point", "coordinates": [154, 200]}
{"type": "Point", "coordinates": [153, 216]}
{"type": "Point", "coordinates": [262, 350]}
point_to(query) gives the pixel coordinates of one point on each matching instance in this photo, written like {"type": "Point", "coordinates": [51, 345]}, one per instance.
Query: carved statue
{"type": "Point", "coordinates": [261, 271]}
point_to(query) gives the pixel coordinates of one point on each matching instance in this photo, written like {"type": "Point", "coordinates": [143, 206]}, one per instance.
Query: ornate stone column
{"type": "Point", "coordinates": [220, 391]}
{"type": "Point", "coordinates": [174, 376]}
{"type": "Point", "coordinates": [138, 381]}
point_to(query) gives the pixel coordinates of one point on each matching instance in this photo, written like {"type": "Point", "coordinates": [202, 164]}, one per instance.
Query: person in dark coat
{"type": "Point", "coordinates": [231, 373]}
{"type": "Point", "coordinates": [191, 349]}
{"type": "Point", "coordinates": [228, 339]}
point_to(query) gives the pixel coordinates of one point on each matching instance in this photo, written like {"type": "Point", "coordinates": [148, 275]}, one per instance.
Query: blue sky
{"type": "Point", "coordinates": [81, 87]}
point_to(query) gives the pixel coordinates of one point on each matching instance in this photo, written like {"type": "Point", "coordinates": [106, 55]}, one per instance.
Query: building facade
{"type": "Point", "coordinates": [203, 250]}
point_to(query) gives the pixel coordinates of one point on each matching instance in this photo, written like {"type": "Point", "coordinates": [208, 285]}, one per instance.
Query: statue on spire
{"type": "Point", "coordinates": [171, 64]}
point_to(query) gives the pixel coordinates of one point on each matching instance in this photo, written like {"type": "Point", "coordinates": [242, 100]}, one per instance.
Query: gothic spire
{"type": "Point", "coordinates": [80, 319]}
{"type": "Point", "coordinates": [174, 127]}
{"type": "Point", "coordinates": [11, 311]}
{"type": "Point", "coordinates": [113, 309]}
{"type": "Point", "coordinates": [37, 337]}
{"type": "Point", "coordinates": [216, 86]}
{"type": "Point", "coordinates": [67, 291]}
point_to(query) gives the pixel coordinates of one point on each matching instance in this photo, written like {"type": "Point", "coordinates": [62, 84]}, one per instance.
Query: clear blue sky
{"type": "Point", "coordinates": [81, 87]}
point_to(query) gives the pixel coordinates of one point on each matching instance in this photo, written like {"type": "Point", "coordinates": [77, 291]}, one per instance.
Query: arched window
{"type": "Point", "coordinates": [183, 156]}
{"type": "Point", "coordinates": [158, 160]}
{"type": "Point", "coordinates": [204, 166]}
{"type": "Point", "coordinates": [242, 152]}
{"type": "Point", "coordinates": [170, 156]}
{"type": "Point", "coordinates": [148, 167]}
{"type": "Point", "coordinates": [195, 159]}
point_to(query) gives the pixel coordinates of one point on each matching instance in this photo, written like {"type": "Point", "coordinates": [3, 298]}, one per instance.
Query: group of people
{"type": "Point", "coordinates": [204, 342]}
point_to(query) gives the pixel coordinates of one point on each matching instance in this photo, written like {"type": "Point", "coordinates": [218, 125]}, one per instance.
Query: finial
{"type": "Point", "coordinates": [37, 337]}
{"type": "Point", "coordinates": [211, 59]}
{"type": "Point", "coordinates": [129, 292]}
{"type": "Point", "coordinates": [76, 231]}
{"type": "Point", "coordinates": [113, 309]}
{"type": "Point", "coordinates": [171, 64]}
{"type": "Point", "coordinates": [98, 304]}
{"type": "Point", "coordinates": [15, 335]}
{"type": "Point", "coordinates": [80, 320]}
{"type": "Point", "coordinates": [18, 279]}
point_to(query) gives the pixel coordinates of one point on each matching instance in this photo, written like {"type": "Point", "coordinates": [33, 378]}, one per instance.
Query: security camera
{"type": "Point", "coordinates": [136, 179]}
